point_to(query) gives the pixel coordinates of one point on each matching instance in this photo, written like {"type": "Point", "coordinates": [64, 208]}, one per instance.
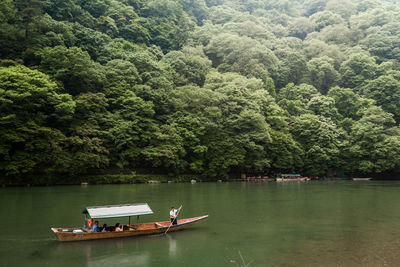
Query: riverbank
{"type": "Point", "coordinates": [99, 179]}
{"type": "Point", "coordinates": [128, 179]}
{"type": "Point", "coordinates": [133, 178]}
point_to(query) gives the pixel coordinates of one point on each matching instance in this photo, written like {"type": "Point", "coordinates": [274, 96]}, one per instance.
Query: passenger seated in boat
{"type": "Point", "coordinates": [104, 228]}
{"type": "Point", "coordinates": [96, 227]}
{"type": "Point", "coordinates": [118, 228]}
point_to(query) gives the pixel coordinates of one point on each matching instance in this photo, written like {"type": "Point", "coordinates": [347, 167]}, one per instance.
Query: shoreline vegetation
{"type": "Point", "coordinates": [133, 178]}
{"type": "Point", "coordinates": [43, 180]}
{"type": "Point", "coordinates": [118, 179]}
{"type": "Point", "coordinates": [109, 178]}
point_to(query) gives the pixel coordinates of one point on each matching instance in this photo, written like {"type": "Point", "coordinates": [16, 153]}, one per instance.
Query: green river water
{"type": "Point", "coordinates": [327, 223]}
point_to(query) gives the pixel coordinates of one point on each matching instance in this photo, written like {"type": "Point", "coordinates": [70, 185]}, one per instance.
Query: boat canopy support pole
{"type": "Point", "coordinates": [86, 224]}
{"type": "Point", "coordinates": [129, 220]}
{"type": "Point", "coordinates": [138, 219]}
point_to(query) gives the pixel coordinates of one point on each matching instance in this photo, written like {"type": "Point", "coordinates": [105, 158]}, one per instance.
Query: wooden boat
{"type": "Point", "coordinates": [291, 177]}
{"type": "Point", "coordinates": [362, 179]}
{"type": "Point", "coordinates": [85, 233]}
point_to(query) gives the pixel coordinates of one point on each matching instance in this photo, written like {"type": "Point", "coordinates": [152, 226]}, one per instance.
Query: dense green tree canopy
{"type": "Point", "coordinates": [212, 87]}
{"type": "Point", "coordinates": [33, 114]}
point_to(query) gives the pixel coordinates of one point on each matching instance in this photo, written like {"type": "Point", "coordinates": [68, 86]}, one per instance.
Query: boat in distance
{"type": "Point", "coordinates": [291, 177]}
{"type": "Point", "coordinates": [127, 210]}
{"type": "Point", "coordinates": [362, 179]}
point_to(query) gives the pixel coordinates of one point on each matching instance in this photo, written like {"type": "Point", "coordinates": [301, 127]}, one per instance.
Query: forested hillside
{"type": "Point", "coordinates": [209, 87]}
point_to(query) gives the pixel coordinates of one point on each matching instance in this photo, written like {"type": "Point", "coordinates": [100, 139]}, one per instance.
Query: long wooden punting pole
{"type": "Point", "coordinates": [176, 218]}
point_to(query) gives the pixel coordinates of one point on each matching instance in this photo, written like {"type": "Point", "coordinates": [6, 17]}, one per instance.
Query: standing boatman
{"type": "Point", "coordinates": [173, 215]}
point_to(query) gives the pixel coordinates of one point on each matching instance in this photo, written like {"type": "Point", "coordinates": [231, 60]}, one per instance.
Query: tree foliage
{"type": "Point", "coordinates": [33, 115]}
{"type": "Point", "coordinates": [209, 87]}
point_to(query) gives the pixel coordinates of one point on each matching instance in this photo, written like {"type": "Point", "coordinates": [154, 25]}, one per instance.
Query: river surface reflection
{"type": "Point", "coordinates": [330, 223]}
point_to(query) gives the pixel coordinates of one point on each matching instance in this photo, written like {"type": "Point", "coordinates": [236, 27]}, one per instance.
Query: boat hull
{"type": "Point", "coordinates": [67, 234]}
{"type": "Point", "coordinates": [292, 179]}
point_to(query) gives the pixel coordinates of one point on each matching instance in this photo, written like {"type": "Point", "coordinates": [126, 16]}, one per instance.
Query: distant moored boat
{"type": "Point", "coordinates": [362, 179]}
{"type": "Point", "coordinates": [291, 177]}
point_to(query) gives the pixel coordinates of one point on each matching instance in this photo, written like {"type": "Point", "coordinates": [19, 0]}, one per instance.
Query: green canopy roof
{"type": "Point", "coordinates": [113, 211]}
{"type": "Point", "coordinates": [291, 175]}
